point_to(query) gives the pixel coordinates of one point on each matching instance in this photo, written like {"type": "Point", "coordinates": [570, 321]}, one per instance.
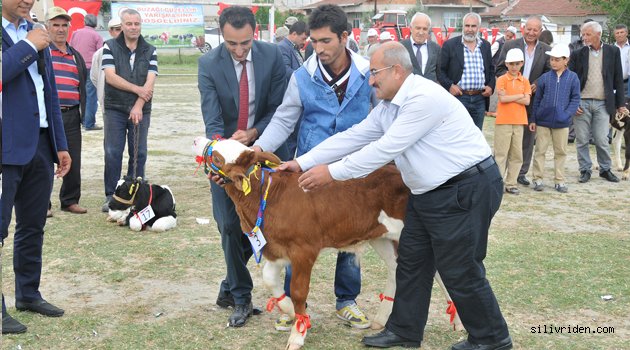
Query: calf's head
{"type": "Point", "coordinates": [232, 160]}
{"type": "Point", "coordinates": [125, 193]}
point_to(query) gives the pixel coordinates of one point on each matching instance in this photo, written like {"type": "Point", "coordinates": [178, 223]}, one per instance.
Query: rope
{"type": "Point", "coordinates": [136, 139]}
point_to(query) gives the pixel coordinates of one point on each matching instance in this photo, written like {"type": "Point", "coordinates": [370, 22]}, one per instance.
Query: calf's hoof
{"type": "Point", "coordinates": [293, 347]}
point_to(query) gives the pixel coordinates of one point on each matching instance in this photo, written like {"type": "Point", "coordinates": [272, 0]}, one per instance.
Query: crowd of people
{"type": "Point", "coordinates": [336, 113]}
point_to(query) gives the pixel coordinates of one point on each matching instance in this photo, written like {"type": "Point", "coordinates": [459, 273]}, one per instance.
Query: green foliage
{"type": "Point", "coordinates": [618, 12]}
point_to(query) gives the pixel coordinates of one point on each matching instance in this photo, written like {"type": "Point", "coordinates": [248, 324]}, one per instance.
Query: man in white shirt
{"type": "Point", "coordinates": [455, 188]}
{"type": "Point", "coordinates": [621, 41]}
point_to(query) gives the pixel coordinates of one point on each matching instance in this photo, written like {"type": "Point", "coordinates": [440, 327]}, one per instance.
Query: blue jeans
{"type": "Point", "coordinates": [347, 280]}
{"type": "Point", "coordinates": [595, 120]}
{"type": "Point", "coordinates": [476, 107]}
{"type": "Point", "coordinates": [118, 129]}
{"type": "Point", "coordinates": [91, 103]}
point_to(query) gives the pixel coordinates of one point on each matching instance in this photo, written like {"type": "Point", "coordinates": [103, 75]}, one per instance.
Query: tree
{"type": "Point", "coordinates": [618, 11]}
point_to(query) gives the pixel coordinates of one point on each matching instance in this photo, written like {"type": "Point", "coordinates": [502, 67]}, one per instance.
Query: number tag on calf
{"type": "Point", "coordinates": [146, 214]}
{"type": "Point", "coordinates": [257, 240]}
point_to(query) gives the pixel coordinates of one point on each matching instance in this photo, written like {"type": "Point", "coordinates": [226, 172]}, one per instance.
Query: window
{"type": "Point", "coordinates": [453, 19]}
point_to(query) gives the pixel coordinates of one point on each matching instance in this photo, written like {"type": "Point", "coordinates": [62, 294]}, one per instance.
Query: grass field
{"type": "Point", "coordinates": [551, 258]}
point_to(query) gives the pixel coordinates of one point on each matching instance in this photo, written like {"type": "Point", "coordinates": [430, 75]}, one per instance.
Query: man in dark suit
{"type": "Point", "coordinates": [536, 63]}
{"type": "Point", "coordinates": [290, 48]}
{"type": "Point", "coordinates": [602, 96]}
{"type": "Point", "coordinates": [423, 52]}
{"type": "Point", "coordinates": [32, 140]}
{"type": "Point", "coordinates": [233, 106]}
{"type": "Point", "coordinates": [466, 69]}
{"type": "Point", "coordinates": [291, 45]}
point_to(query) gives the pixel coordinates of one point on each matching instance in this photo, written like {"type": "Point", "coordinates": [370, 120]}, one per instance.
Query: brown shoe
{"type": "Point", "coordinates": [75, 209]}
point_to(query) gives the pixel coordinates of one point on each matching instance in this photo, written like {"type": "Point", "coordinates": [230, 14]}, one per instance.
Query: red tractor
{"type": "Point", "coordinates": [393, 21]}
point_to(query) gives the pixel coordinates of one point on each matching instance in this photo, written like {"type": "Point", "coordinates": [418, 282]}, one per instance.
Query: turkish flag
{"type": "Point", "coordinates": [77, 10]}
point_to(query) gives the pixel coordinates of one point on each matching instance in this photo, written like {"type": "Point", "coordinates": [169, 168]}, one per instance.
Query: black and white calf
{"type": "Point", "coordinates": [140, 204]}
{"type": "Point", "coordinates": [621, 132]}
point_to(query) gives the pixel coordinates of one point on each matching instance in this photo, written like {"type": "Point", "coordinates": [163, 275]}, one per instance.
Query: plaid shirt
{"type": "Point", "coordinates": [473, 76]}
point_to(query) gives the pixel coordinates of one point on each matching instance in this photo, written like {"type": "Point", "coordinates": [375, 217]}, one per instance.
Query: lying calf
{"type": "Point", "coordinates": [139, 204]}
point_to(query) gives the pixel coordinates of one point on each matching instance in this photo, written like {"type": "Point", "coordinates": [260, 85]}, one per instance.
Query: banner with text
{"type": "Point", "coordinates": [167, 25]}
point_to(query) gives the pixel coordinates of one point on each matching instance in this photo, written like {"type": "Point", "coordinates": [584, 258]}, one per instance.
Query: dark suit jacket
{"type": "Point", "coordinates": [219, 89]}
{"type": "Point", "coordinates": [451, 63]}
{"type": "Point", "coordinates": [289, 57]}
{"type": "Point", "coordinates": [432, 62]}
{"type": "Point", "coordinates": [611, 72]}
{"type": "Point", "coordinates": [20, 111]}
{"type": "Point", "coordinates": [539, 66]}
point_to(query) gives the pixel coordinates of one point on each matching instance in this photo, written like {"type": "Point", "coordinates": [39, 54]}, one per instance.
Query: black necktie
{"type": "Point", "coordinates": [419, 56]}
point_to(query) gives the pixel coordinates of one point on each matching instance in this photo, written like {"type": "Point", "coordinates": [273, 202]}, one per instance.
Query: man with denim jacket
{"type": "Point", "coordinates": [330, 93]}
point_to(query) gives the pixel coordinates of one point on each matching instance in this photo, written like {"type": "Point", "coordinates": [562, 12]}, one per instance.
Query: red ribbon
{"type": "Point", "coordinates": [385, 297]}
{"type": "Point", "coordinates": [273, 302]}
{"type": "Point", "coordinates": [451, 310]}
{"type": "Point", "coordinates": [302, 323]}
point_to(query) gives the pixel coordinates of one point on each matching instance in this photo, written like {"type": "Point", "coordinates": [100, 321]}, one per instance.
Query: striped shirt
{"type": "Point", "coordinates": [473, 77]}
{"type": "Point", "coordinates": [66, 76]}
{"type": "Point", "coordinates": [108, 60]}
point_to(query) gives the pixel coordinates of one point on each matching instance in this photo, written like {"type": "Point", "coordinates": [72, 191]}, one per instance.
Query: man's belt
{"type": "Point", "coordinates": [472, 171]}
{"type": "Point", "coordinates": [472, 92]}
{"type": "Point", "coordinates": [64, 109]}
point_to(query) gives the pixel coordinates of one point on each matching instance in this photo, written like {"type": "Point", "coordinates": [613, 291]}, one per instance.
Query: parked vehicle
{"type": "Point", "coordinates": [211, 39]}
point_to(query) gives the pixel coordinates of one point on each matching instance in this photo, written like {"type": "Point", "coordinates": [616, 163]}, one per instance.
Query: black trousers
{"type": "Point", "coordinates": [529, 140]}
{"type": "Point", "coordinates": [70, 192]}
{"type": "Point", "coordinates": [236, 247]}
{"type": "Point", "coordinates": [27, 189]}
{"type": "Point", "coordinates": [447, 229]}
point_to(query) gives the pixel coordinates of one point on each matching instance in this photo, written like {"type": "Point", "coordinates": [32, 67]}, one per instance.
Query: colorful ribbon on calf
{"type": "Point", "coordinates": [302, 323]}
{"type": "Point", "coordinates": [272, 303]}
{"type": "Point", "coordinates": [452, 311]}
{"type": "Point", "coordinates": [261, 210]}
{"type": "Point", "coordinates": [385, 297]}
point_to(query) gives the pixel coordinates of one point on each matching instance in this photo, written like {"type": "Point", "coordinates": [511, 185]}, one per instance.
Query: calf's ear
{"type": "Point", "coordinates": [246, 159]}
{"type": "Point", "coordinates": [269, 159]}
{"type": "Point", "coordinates": [241, 183]}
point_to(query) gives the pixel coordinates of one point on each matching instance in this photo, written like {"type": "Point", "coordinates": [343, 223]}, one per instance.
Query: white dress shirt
{"type": "Point", "coordinates": [424, 129]}
{"type": "Point", "coordinates": [251, 82]}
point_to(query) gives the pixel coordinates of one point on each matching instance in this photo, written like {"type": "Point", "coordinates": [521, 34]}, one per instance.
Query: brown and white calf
{"type": "Point", "coordinates": [298, 225]}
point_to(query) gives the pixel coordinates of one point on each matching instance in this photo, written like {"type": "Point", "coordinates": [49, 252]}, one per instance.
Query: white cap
{"type": "Point", "coordinates": [559, 50]}
{"type": "Point", "coordinates": [290, 21]}
{"type": "Point", "coordinates": [114, 22]}
{"type": "Point", "coordinates": [514, 55]}
{"type": "Point", "coordinates": [385, 35]}
{"type": "Point", "coordinates": [372, 32]}
{"type": "Point", "coordinates": [511, 29]}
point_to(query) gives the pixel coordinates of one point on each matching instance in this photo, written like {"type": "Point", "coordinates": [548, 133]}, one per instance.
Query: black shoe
{"type": "Point", "coordinates": [94, 128]}
{"type": "Point", "coordinates": [522, 179]}
{"type": "Point", "coordinates": [388, 339]}
{"type": "Point", "coordinates": [11, 325]}
{"type": "Point", "coordinates": [240, 315]}
{"type": "Point", "coordinates": [504, 344]}
{"type": "Point", "coordinates": [608, 175]}
{"type": "Point", "coordinates": [41, 307]}
{"type": "Point", "coordinates": [584, 176]}
{"type": "Point", "coordinates": [225, 300]}
{"type": "Point", "coordinates": [105, 207]}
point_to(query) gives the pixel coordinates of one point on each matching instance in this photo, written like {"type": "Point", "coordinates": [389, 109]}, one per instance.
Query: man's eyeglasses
{"type": "Point", "coordinates": [374, 72]}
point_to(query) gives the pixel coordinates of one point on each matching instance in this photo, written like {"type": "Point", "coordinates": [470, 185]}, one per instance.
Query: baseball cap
{"type": "Point", "coordinates": [559, 50]}
{"type": "Point", "coordinates": [385, 36]}
{"type": "Point", "coordinates": [514, 55]}
{"type": "Point", "coordinates": [57, 11]}
{"type": "Point", "coordinates": [511, 29]}
{"type": "Point", "coordinates": [114, 22]}
{"type": "Point", "coordinates": [372, 32]}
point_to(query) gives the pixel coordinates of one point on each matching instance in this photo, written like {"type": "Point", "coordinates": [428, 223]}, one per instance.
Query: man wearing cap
{"type": "Point", "coordinates": [372, 38]}
{"type": "Point", "coordinates": [97, 75]}
{"type": "Point", "coordinates": [466, 69]}
{"type": "Point", "coordinates": [510, 34]}
{"type": "Point", "coordinates": [385, 36]}
{"type": "Point", "coordinates": [598, 66]}
{"type": "Point", "coordinates": [536, 63]}
{"type": "Point", "coordinates": [423, 52]}
{"type": "Point", "coordinates": [70, 76]}
{"type": "Point", "coordinates": [130, 65]}
{"type": "Point", "coordinates": [32, 140]}
{"type": "Point", "coordinates": [87, 41]}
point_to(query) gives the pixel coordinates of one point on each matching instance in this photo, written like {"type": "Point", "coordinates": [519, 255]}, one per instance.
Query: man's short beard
{"type": "Point", "coordinates": [470, 37]}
